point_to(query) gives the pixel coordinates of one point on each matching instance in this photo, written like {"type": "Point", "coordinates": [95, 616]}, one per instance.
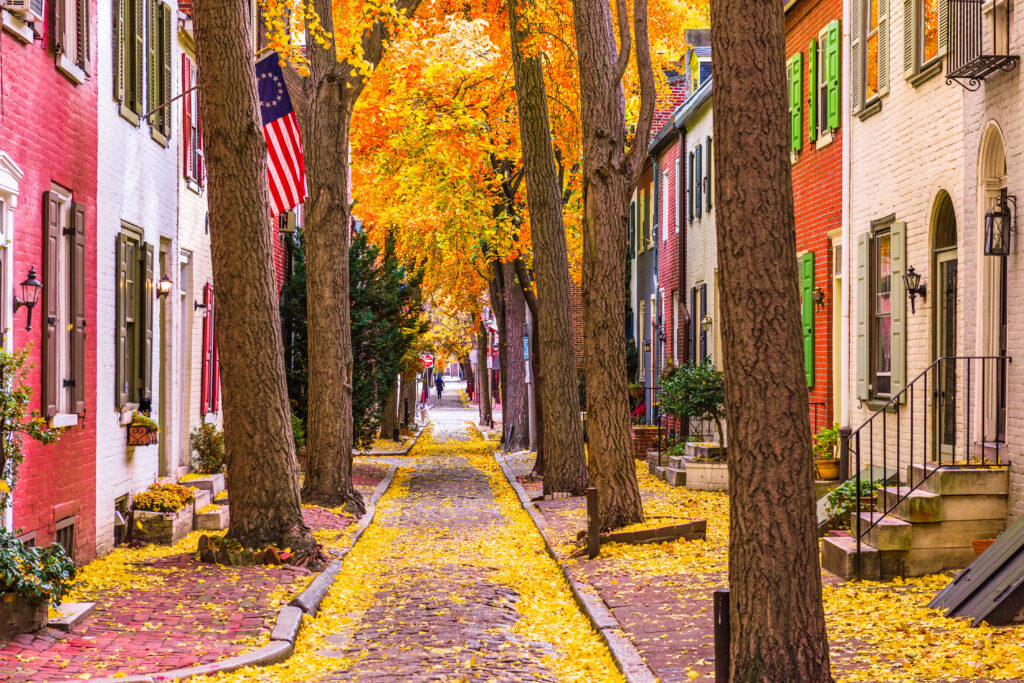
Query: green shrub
{"type": "Point", "coordinates": [35, 573]}
{"type": "Point", "coordinates": [207, 444]}
{"type": "Point", "coordinates": [697, 391]}
{"type": "Point", "coordinates": [842, 500]}
{"type": "Point", "coordinates": [164, 498]}
{"type": "Point", "coordinates": [298, 431]}
{"type": "Point", "coordinates": [142, 419]}
{"type": "Point", "coordinates": [825, 442]}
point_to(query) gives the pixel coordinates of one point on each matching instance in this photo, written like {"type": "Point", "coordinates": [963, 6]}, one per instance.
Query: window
{"type": "Point", "coordinates": [795, 69]}
{"type": "Point", "coordinates": [143, 62]}
{"type": "Point", "coordinates": [71, 38]}
{"type": "Point", "coordinates": [121, 515]}
{"type": "Point", "coordinates": [823, 94]}
{"type": "Point", "coordinates": [869, 53]}
{"type": "Point", "coordinates": [679, 187]}
{"type": "Point", "coordinates": [210, 382]}
{"type": "Point", "coordinates": [65, 535]}
{"type": "Point", "coordinates": [129, 28]}
{"type": "Point", "coordinates": [871, 72]}
{"type": "Point", "coordinates": [924, 36]}
{"type": "Point", "coordinates": [665, 180]}
{"type": "Point", "coordinates": [159, 63]}
{"type": "Point", "coordinates": [63, 390]}
{"type": "Point", "coordinates": [929, 30]}
{"type": "Point", "coordinates": [192, 125]}
{"type": "Point", "coordinates": [881, 319]}
{"type": "Point", "coordinates": [881, 314]}
{"type": "Point", "coordinates": [134, 329]}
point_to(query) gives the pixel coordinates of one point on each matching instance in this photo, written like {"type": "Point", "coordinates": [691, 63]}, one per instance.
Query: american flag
{"type": "Point", "coordinates": [286, 167]}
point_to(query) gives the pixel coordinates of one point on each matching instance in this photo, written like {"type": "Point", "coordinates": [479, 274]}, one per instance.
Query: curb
{"type": "Point", "coordinates": [289, 618]}
{"type": "Point", "coordinates": [625, 654]}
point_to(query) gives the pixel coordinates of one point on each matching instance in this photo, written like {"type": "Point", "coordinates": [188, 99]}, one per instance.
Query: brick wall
{"type": "Point", "coordinates": [576, 300]}
{"type": "Point", "coordinates": [669, 236]}
{"type": "Point", "coordinates": [644, 438]}
{"type": "Point", "coordinates": [48, 128]}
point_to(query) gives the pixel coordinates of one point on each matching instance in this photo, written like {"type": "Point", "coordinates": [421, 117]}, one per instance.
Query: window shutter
{"type": "Point", "coordinates": [698, 164]}
{"type": "Point", "coordinates": [84, 56]}
{"type": "Point", "coordinates": [207, 347]}
{"type": "Point", "coordinates": [833, 66]}
{"type": "Point", "coordinates": [76, 281]}
{"type": "Point", "coordinates": [693, 325]}
{"type": "Point", "coordinates": [59, 27]}
{"type": "Point", "coordinates": [796, 96]}
{"type": "Point", "coordinates": [863, 317]}
{"type": "Point", "coordinates": [857, 55]}
{"type": "Point", "coordinates": [689, 188]}
{"type": "Point", "coordinates": [910, 37]}
{"type": "Point", "coordinates": [943, 27]}
{"type": "Point", "coordinates": [812, 90]}
{"type": "Point", "coordinates": [883, 47]}
{"type": "Point", "coordinates": [200, 154]}
{"type": "Point", "coordinates": [807, 313]}
{"type": "Point", "coordinates": [153, 61]}
{"type": "Point", "coordinates": [632, 229]}
{"type": "Point", "coordinates": [703, 312]}
{"type": "Point", "coordinates": [51, 298]}
{"type": "Point", "coordinates": [146, 297]}
{"type": "Point", "coordinates": [898, 254]}
{"type": "Point", "coordinates": [707, 172]}
{"type": "Point", "coordinates": [215, 379]}
{"type": "Point", "coordinates": [186, 115]}
{"type": "Point", "coordinates": [140, 57]}
{"type": "Point", "coordinates": [165, 44]}
{"type": "Point", "coordinates": [120, 48]}
{"type": "Point", "coordinates": [121, 325]}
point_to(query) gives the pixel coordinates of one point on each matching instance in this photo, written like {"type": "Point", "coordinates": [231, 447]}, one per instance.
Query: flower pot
{"type": "Point", "coordinates": [141, 435]}
{"type": "Point", "coordinates": [981, 545]}
{"type": "Point", "coordinates": [162, 528]}
{"type": "Point", "coordinates": [21, 615]}
{"type": "Point", "coordinates": [827, 469]}
{"type": "Point", "coordinates": [867, 504]}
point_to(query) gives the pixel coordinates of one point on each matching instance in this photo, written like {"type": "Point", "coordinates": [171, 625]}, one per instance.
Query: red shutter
{"type": "Point", "coordinates": [215, 379]}
{"type": "Point", "coordinates": [201, 156]}
{"type": "Point", "coordinates": [207, 346]}
{"type": "Point", "coordinates": [186, 115]}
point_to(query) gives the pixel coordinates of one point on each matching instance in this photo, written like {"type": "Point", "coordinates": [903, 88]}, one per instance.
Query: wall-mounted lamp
{"type": "Point", "coordinates": [705, 323]}
{"type": "Point", "coordinates": [999, 224]}
{"type": "Point", "coordinates": [198, 306]}
{"type": "Point", "coordinates": [912, 280]}
{"type": "Point", "coordinates": [647, 346]}
{"type": "Point", "coordinates": [163, 286]}
{"type": "Point", "coordinates": [30, 288]}
{"type": "Point", "coordinates": [818, 297]}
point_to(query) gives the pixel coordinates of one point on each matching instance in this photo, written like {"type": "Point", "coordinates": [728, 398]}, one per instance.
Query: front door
{"type": "Point", "coordinates": [945, 347]}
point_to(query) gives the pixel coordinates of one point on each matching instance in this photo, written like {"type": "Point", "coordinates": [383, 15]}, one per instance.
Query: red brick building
{"type": "Point", "coordinates": [814, 52]}
{"type": "Point", "coordinates": [48, 176]}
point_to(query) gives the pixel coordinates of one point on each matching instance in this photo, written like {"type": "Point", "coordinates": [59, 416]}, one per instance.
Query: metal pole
{"type": "Point", "coordinates": [844, 453]}
{"type": "Point", "coordinates": [593, 532]}
{"type": "Point", "coordinates": [722, 635]}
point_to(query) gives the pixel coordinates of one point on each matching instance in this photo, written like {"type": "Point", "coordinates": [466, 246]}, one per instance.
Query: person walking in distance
{"type": "Point", "coordinates": [439, 385]}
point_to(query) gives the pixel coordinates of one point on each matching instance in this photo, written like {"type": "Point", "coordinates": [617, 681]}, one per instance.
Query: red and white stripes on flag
{"type": "Point", "coordinates": [286, 167]}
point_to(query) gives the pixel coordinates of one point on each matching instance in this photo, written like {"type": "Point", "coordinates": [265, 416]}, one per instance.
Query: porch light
{"type": "Point", "coordinates": [818, 297]}
{"type": "Point", "coordinates": [705, 323]}
{"type": "Point", "coordinates": [196, 306]}
{"type": "Point", "coordinates": [999, 224]}
{"type": "Point", "coordinates": [30, 288]}
{"type": "Point", "coordinates": [912, 280]}
{"type": "Point", "coordinates": [163, 286]}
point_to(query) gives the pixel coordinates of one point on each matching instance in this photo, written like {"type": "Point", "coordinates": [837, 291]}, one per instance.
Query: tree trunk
{"type": "Point", "coordinates": [609, 174]}
{"type": "Point", "coordinates": [778, 625]}
{"type": "Point", "coordinates": [483, 379]}
{"type": "Point", "coordinates": [538, 377]}
{"type": "Point", "coordinates": [407, 397]}
{"type": "Point", "coordinates": [496, 291]}
{"type": "Point", "coordinates": [262, 470]}
{"type": "Point", "coordinates": [516, 417]}
{"type": "Point", "coordinates": [565, 466]}
{"type": "Point", "coordinates": [389, 414]}
{"type": "Point", "coordinates": [470, 381]}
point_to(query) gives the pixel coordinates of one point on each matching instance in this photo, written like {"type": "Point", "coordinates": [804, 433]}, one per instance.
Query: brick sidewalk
{"type": "Point", "coordinates": [159, 609]}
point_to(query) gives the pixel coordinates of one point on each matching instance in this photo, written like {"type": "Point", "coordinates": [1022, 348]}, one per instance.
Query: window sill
{"type": "Point", "coordinates": [876, 404]}
{"type": "Point", "coordinates": [21, 30]}
{"type": "Point", "coordinates": [210, 418]}
{"type": "Point", "coordinates": [159, 137]}
{"type": "Point", "coordinates": [825, 139]}
{"type": "Point", "coordinates": [927, 73]}
{"type": "Point", "coordinates": [128, 115]}
{"type": "Point", "coordinates": [64, 420]}
{"type": "Point", "coordinates": [73, 72]}
{"type": "Point", "coordinates": [194, 186]}
{"type": "Point", "coordinates": [870, 109]}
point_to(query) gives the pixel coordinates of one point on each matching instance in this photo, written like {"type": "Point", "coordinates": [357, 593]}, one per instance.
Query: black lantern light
{"type": "Point", "coordinates": [163, 286]}
{"type": "Point", "coordinates": [30, 288]}
{"type": "Point", "coordinates": [818, 297]}
{"type": "Point", "coordinates": [196, 306]}
{"type": "Point", "coordinates": [999, 223]}
{"type": "Point", "coordinates": [912, 280]}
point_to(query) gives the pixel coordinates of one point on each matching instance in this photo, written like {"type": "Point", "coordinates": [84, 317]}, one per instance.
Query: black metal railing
{"type": "Point", "coordinates": [815, 406]}
{"type": "Point", "coordinates": [928, 423]}
{"type": "Point", "coordinates": [969, 61]}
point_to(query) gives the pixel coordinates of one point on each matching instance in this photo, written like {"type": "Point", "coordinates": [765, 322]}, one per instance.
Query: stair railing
{"type": "Point", "coordinates": [952, 379]}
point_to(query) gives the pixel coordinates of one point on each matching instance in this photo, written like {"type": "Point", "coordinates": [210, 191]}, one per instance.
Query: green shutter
{"type": "Point", "coordinates": [121, 325]}
{"type": "Point", "coordinates": [121, 52]}
{"type": "Point", "coordinates": [863, 317]}
{"type": "Point", "coordinates": [166, 34]}
{"type": "Point", "coordinates": [807, 313]}
{"type": "Point", "coordinates": [883, 47]}
{"type": "Point", "coordinates": [856, 56]}
{"type": "Point", "coordinates": [910, 33]}
{"type": "Point", "coordinates": [898, 253]}
{"type": "Point", "coordinates": [147, 297]}
{"type": "Point", "coordinates": [833, 66]}
{"type": "Point", "coordinates": [796, 94]}
{"type": "Point", "coordinates": [138, 65]}
{"type": "Point", "coordinates": [812, 90]}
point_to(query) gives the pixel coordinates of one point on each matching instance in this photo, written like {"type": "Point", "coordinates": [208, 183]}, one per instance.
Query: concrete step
{"type": "Point", "coordinates": [957, 534]}
{"type": "Point", "coordinates": [977, 506]}
{"type": "Point", "coordinates": [839, 556]}
{"type": "Point", "coordinates": [675, 476]}
{"type": "Point", "coordinates": [659, 472]}
{"type": "Point", "coordinates": [963, 481]}
{"type": "Point", "coordinates": [912, 505]}
{"type": "Point", "coordinates": [924, 561]}
{"type": "Point", "coordinates": [676, 461]}
{"type": "Point", "coordinates": [890, 533]}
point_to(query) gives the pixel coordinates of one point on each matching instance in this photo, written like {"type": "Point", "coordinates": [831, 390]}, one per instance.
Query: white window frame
{"type": "Point", "coordinates": [825, 134]}
{"type": "Point", "coordinates": [666, 177]}
{"type": "Point", "coordinates": [66, 59]}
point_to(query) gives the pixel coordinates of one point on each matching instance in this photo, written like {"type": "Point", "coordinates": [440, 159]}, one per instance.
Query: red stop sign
{"type": "Point", "coordinates": [428, 360]}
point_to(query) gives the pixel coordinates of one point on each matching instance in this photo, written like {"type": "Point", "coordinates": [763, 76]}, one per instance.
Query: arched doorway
{"type": "Point", "coordinates": [944, 322]}
{"type": "Point", "coordinates": [991, 417]}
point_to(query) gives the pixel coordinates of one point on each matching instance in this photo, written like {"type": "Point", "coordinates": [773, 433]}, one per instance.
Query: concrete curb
{"type": "Point", "coordinates": [625, 654]}
{"type": "Point", "coordinates": [289, 618]}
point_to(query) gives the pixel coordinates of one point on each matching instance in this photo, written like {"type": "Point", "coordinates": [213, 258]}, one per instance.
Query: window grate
{"type": "Point", "coordinates": [65, 535]}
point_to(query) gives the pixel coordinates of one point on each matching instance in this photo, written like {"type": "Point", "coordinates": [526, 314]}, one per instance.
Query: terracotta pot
{"type": "Point", "coordinates": [827, 469]}
{"type": "Point", "coordinates": [981, 545]}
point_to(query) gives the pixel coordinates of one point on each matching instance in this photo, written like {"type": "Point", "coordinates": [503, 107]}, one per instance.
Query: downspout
{"type": "Point", "coordinates": [847, 133]}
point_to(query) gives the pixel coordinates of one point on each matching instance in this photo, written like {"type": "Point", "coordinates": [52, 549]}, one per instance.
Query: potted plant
{"type": "Point", "coordinates": [31, 580]}
{"type": "Point", "coordinates": [163, 514]}
{"type": "Point", "coordinates": [826, 465]}
{"type": "Point", "coordinates": [841, 502]}
{"type": "Point", "coordinates": [207, 443]}
{"type": "Point", "coordinates": [143, 431]}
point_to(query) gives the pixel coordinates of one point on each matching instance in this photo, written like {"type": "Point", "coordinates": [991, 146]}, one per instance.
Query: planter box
{"type": "Point", "coordinates": [705, 476]}
{"type": "Point", "coordinates": [216, 519]}
{"type": "Point", "coordinates": [162, 528]}
{"type": "Point", "coordinates": [139, 435]}
{"type": "Point", "coordinates": [214, 483]}
{"type": "Point", "coordinates": [21, 615]}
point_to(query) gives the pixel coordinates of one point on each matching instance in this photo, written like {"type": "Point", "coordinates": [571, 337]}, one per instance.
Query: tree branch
{"type": "Point", "coordinates": [622, 63]}
{"type": "Point", "coordinates": [648, 91]}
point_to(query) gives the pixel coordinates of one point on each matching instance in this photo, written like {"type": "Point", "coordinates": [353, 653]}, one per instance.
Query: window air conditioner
{"type": "Point", "coordinates": [28, 10]}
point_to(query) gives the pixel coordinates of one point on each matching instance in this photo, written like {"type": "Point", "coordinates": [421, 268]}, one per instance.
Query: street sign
{"type": "Point", "coordinates": [526, 348]}
{"type": "Point", "coordinates": [428, 360]}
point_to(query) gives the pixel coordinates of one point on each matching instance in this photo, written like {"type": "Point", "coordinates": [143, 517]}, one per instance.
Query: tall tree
{"type": "Point", "coordinates": [565, 465]}
{"type": "Point", "coordinates": [516, 410]}
{"type": "Point", "coordinates": [778, 626]}
{"type": "Point", "coordinates": [263, 474]}
{"type": "Point", "coordinates": [611, 168]}
{"type": "Point", "coordinates": [526, 285]}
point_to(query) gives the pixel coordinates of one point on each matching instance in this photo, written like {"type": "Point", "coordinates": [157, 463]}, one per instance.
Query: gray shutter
{"type": "Point", "coordinates": [76, 282]}
{"type": "Point", "coordinates": [703, 313]}
{"type": "Point", "coordinates": [165, 45]}
{"type": "Point", "coordinates": [910, 12]}
{"type": "Point", "coordinates": [138, 65]}
{"type": "Point", "coordinates": [707, 172]}
{"type": "Point", "coordinates": [943, 27]}
{"type": "Point", "coordinates": [153, 69]}
{"type": "Point", "coordinates": [59, 27]}
{"type": "Point", "coordinates": [693, 325]}
{"type": "Point", "coordinates": [698, 164]}
{"type": "Point", "coordinates": [863, 317]}
{"type": "Point", "coordinates": [51, 299]}
{"type": "Point", "coordinates": [120, 49]}
{"type": "Point", "coordinates": [146, 297]}
{"type": "Point", "coordinates": [898, 252]}
{"type": "Point", "coordinates": [84, 41]}
{"type": "Point", "coordinates": [883, 47]}
{"type": "Point", "coordinates": [689, 188]}
{"type": "Point", "coordinates": [121, 325]}
{"type": "Point", "coordinates": [856, 55]}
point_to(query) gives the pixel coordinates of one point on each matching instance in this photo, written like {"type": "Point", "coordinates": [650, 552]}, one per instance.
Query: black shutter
{"type": "Point", "coordinates": [703, 313]}
{"type": "Point", "coordinates": [693, 325]}
{"type": "Point", "coordinates": [146, 296]}
{"type": "Point", "coordinates": [121, 369]}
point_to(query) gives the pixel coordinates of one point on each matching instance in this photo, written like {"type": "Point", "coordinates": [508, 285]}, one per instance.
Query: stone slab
{"type": "Point", "coordinates": [289, 621]}
{"type": "Point", "coordinates": [71, 615]}
{"type": "Point", "coordinates": [217, 519]}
